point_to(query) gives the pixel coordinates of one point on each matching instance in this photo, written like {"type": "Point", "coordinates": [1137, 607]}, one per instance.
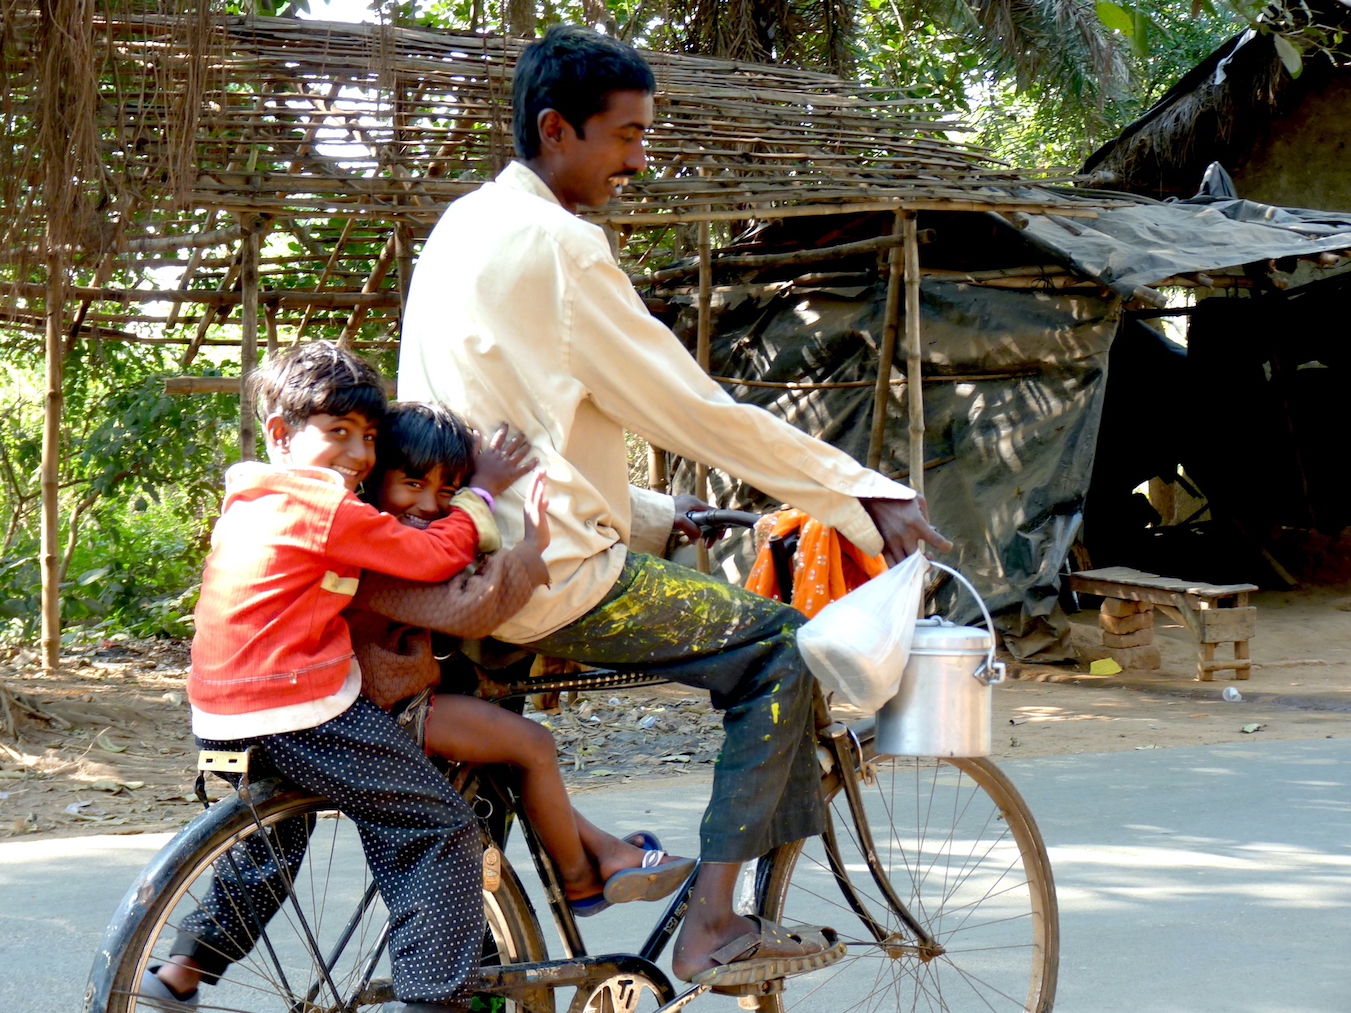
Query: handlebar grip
{"type": "Point", "coordinates": [723, 518]}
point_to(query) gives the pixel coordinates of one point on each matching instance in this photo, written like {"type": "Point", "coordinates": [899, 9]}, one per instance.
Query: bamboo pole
{"type": "Point", "coordinates": [248, 346]}
{"type": "Point", "coordinates": [372, 287]}
{"type": "Point", "coordinates": [403, 256]}
{"type": "Point", "coordinates": [174, 385]}
{"type": "Point", "coordinates": [914, 390]}
{"type": "Point", "coordinates": [702, 354]}
{"type": "Point", "coordinates": [51, 465]}
{"type": "Point", "coordinates": [658, 478]}
{"type": "Point", "coordinates": [886, 354]}
{"type": "Point", "coordinates": [781, 259]}
{"type": "Point", "coordinates": [270, 312]}
{"type": "Point", "coordinates": [219, 298]}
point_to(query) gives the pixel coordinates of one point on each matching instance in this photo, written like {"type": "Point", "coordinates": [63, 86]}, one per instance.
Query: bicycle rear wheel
{"type": "Point", "coordinates": [323, 948]}
{"type": "Point", "coordinates": [956, 848]}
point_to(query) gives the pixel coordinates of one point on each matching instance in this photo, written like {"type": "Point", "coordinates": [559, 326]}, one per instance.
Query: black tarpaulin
{"type": "Point", "coordinates": [1014, 383]}
{"type": "Point", "coordinates": [1125, 248]}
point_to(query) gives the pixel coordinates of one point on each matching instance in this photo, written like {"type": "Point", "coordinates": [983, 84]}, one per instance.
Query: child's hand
{"type": "Point", "coordinates": [536, 538]}
{"type": "Point", "coordinates": [498, 465]}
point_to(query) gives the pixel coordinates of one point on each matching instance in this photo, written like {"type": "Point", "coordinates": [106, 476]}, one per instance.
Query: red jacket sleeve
{"type": "Point", "coordinates": [363, 536]}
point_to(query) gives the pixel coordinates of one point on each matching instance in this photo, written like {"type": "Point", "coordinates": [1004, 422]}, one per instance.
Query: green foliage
{"type": "Point", "coordinates": [140, 485]}
{"type": "Point", "coordinates": [1042, 125]}
{"type": "Point", "coordinates": [1044, 84]}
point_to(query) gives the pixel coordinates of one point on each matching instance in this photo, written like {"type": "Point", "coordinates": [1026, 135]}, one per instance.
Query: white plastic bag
{"type": "Point", "coordinates": [858, 646]}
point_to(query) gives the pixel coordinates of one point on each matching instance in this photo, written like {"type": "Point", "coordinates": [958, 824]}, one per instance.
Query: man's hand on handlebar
{"type": "Point", "coordinates": [682, 523]}
{"type": "Point", "coordinates": [903, 524]}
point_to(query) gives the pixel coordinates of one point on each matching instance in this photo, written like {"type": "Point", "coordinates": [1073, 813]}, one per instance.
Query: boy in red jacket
{"type": "Point", "coordinates": [272, 660]}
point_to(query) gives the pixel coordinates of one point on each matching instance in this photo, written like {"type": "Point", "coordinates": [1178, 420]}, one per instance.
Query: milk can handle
{"type": "Point", "coordinates": [991, 672]}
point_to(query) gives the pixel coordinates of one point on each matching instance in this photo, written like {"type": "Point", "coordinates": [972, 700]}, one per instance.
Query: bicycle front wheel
{"type": "Point", "coordinates": [957, 910]}
{"type": "Point", "coordinates": [288, 900]}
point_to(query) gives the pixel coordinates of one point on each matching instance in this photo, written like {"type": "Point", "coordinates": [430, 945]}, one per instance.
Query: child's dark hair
{"type": "Point", "coordinates": [318, 378]}
{"type": "Point", "coordinates": [415, 437]}
{"type": "Point", "coordinates": [572, 70]}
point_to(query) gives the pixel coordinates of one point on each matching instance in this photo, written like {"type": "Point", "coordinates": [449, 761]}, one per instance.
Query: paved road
{"type": "Point", "coordinates": [1209, 880]}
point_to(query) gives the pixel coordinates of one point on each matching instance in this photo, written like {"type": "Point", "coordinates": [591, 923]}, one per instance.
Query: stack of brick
{"type": "Point", "coordinates": [1128, 633]}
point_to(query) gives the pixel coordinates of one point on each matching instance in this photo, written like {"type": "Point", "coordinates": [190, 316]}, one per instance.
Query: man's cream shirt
{"type": "Point", "coordinates": [518, 312]}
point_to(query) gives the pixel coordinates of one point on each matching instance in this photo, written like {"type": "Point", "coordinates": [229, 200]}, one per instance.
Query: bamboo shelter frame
{"type": "Point", "coordinates": [332, 149]}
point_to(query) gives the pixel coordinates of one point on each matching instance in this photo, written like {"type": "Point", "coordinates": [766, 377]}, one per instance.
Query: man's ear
{"type": "Point", "coordinates": [552, 127]}
{"type": "Point", "coordinates": [277, 432]}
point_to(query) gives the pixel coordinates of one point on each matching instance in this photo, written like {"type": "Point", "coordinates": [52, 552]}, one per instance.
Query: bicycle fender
{"type": "Point", "coordinates": [155, 879]}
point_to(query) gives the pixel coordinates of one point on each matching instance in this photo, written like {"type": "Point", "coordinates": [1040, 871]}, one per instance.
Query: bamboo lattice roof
{"type": "Point", "coordinates": [350, 140]}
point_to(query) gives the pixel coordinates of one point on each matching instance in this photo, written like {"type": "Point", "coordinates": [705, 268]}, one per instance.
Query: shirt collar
{"type": "Point", "coordinates": [250, 473]}
{"type": "Point", "coordinates": [519, 176]}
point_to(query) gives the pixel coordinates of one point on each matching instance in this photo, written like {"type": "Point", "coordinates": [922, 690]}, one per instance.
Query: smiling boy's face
{"type": "Point", "coordinates": [418, 501]}
{"type": "Point", "coordinates": [346, 444]}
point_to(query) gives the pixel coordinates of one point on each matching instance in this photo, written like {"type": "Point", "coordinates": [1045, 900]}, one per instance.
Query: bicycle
{"type": "Point", "coordinates": [932, 871]}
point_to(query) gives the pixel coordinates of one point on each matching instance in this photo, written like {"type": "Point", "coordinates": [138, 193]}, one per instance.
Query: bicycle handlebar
{"type": "Point", "coordinates": [711, 521]}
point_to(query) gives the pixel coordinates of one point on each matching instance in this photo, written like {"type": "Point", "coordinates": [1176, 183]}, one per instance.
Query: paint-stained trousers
{"type": "Point", "coordinates": [422, 844]}
{"type": "Point", "coordinates": [668, 620]}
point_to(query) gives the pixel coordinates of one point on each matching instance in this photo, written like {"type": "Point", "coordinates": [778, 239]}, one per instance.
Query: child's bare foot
{"type": "Point", "coordinates": [627, 871]}
{"type": "Point", "coordinates": [612, 855]}
{"type": "Point", "coordinates": [579, 884]}
{"type": "Point", "coordinates": [173, 985]}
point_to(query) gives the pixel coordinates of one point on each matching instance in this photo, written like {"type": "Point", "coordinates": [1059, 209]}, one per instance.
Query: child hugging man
{"type": "Point", "coordinates": [272, 660]}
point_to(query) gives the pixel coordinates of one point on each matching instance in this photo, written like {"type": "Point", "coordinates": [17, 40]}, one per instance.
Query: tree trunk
{"type": "Point", "coordinates": [521, 18]}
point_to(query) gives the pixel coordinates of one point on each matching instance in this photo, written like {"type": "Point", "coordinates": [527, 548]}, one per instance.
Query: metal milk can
{"type": "Point", "coordinates": [945, 700]}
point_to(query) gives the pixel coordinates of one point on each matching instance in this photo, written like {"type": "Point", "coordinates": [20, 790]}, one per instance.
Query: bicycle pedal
{"type": "Point", "coordinates": [754, 991]}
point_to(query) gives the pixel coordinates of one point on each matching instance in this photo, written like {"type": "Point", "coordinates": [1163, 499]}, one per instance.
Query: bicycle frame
{"type": "Point", "coordinates": [523, 982]}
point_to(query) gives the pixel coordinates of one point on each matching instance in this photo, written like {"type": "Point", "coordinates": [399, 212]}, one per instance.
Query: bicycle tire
{"type": "Point", "coordinates": [279, 972]}
{"type": "Point", "coordinates": [971, 831]}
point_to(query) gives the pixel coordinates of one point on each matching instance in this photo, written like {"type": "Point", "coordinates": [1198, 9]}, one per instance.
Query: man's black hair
{"type": "Point", "coordinates": [415, 437]}
{"type": "Point", "coordinates": [318, 378]}
{"type": "Point", "coordinates": [572, 70]}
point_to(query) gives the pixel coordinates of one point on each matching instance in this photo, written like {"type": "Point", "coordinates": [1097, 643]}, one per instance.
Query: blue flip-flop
{"type": "Point", "coordinates": [588, 907]}
{"type": "Point", "coordinates": [652, 880]}
{"type": "Point", "coordinates": [644, 839]}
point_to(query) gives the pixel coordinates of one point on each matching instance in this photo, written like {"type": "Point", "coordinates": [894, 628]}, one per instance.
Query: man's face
{"type": "Point", "coordinates": [593, 168]}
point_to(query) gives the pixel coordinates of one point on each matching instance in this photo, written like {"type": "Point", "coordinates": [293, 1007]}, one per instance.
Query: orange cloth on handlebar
{"type": "Point", "coordinates": [826, 565]}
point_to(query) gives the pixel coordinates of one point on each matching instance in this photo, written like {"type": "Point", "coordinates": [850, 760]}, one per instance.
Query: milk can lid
{"type": "Point", "coordinates": [948, 639]}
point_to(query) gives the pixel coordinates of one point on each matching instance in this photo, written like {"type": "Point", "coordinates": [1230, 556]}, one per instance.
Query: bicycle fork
{"type": "Point", "coordinates": [850, 767]}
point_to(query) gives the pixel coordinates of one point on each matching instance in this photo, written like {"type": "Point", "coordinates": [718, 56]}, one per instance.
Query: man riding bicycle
{"type": "Point", "coordinates": [518, 311]}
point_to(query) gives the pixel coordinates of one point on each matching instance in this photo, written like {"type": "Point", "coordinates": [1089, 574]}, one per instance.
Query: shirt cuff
{"type": "Point", "coordinates": [651, 517]}
{"type": "Point", "coordinates": [489, 538]}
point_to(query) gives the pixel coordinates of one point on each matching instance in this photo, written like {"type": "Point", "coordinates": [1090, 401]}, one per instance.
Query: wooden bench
{"type": "Point", "coordinates": [1215, 613]}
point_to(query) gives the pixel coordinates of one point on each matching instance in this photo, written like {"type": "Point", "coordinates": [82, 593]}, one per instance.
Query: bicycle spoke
{"type": "Point", "coordinates": [954, 858]}
{"type": "Point", "coordinates": [325, 926]}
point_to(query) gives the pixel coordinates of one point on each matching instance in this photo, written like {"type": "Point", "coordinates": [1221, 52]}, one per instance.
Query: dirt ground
{"type": "Point", "coordinates": [104, 744]}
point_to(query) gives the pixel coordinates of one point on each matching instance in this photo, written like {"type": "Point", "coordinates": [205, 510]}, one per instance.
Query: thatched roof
{"type": "Point", "coordinates": [350, 140]}
{"type": "Point", "coordinates": [1214, 113]}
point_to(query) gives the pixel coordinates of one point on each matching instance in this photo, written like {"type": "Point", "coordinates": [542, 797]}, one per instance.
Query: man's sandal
{"type": "Point", "coordinates": [775, 951]}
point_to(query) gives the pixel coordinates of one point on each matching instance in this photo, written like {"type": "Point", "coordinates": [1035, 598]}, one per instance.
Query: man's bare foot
{"type": "Point", "coordinates": [701, 937]}
{"type": "Point", "coordinates": [710, 923]}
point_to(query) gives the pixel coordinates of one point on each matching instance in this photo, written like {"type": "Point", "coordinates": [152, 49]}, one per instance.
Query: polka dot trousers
{"type": "Point", "coordinates": [421, 840]}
